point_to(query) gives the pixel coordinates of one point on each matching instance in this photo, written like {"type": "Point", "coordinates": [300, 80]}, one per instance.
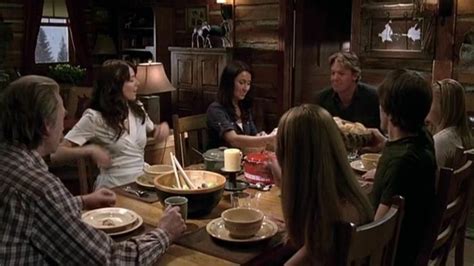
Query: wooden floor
{"type": "Point", "coordinates": [468, 254]}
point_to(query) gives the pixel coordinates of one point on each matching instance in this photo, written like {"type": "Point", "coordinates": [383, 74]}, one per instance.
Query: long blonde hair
{"type": "Point", "coordinates": [452, 109]}
{"type": "Point", "coordinates": [316, 177]}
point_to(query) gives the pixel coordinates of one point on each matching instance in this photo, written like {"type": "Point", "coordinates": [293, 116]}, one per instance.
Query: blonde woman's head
{"type": "Point", "coordinates": [448, 109]}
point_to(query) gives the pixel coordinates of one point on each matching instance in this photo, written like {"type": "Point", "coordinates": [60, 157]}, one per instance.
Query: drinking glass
{"type": "Point", "coordinates": [244, 199]}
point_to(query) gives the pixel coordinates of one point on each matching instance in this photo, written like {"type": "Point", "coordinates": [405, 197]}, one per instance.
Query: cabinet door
{"type": "Point", "coordinates": [210, 68]}
{"type": "Point", "coordinates": [186, 80]}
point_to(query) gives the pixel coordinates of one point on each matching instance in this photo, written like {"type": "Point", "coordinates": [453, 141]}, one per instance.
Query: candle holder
{"type": "Point", "coordinates": [232, 184]}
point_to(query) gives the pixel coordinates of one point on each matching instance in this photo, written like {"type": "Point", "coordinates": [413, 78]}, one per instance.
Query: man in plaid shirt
{"type": "Point", "coordinates": [40, 221]}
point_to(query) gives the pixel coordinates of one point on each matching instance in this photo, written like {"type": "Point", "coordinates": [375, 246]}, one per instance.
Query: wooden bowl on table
{"type": "Point", "coordinates": [202, 200]}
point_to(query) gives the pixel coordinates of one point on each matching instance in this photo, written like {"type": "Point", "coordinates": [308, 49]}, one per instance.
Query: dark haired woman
{"type": "Point", "coordinates": [229, 119]}
{"type": "Point", "coordinates": [116, 125]}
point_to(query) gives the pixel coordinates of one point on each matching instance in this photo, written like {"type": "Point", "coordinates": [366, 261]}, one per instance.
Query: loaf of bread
{"type": "Point", "coordinates": [355, 135]}
{"type": "Point", "coordinates": [347, 127]}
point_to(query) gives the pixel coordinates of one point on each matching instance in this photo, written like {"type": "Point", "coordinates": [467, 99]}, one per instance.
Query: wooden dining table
{"type": "Point", "coordinates": [268, 202]}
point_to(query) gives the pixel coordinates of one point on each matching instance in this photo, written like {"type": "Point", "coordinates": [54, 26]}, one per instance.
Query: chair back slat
{"type": "Point", "coordinates": [190, 133]}
{"type": "Point", "coordinates": [450, 212]}
{"type": "Point", "coordinates": [371, 244]}
{"type": "Point", "coordinates": [87, 172]}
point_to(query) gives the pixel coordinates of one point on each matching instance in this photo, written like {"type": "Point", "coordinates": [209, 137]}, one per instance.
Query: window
{"type": "Point", "coordinates": [52, 45]}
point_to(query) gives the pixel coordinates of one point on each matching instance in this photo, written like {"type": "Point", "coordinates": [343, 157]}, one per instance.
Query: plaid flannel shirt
{"type": "Point", "coordinates": [40, 221]}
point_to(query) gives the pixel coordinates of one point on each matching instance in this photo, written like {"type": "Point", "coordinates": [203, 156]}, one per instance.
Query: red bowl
{"type": "Point", "coordinates": [255, 170]}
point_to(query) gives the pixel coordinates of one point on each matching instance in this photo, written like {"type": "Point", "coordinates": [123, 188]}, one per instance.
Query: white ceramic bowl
{"type": "Point", "coordinates": [242, 222]}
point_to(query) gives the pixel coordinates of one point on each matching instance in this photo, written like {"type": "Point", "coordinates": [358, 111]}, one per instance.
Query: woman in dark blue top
{"type": "Point", "coordinates": [229, 118]}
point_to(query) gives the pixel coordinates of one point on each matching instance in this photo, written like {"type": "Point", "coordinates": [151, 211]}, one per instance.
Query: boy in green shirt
{"type": "Point", "coordinates": [408, 164]}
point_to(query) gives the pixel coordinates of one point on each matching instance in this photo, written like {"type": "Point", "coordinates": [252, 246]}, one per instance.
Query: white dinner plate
{"type": "Point", "coordinates": [133, 227]}
{"type": "Point", "coordinates": [358, 166]}
{"type": "Point", "coordinates": [110, 220]}
{"type": "Point", "coordinates": [216, 229]}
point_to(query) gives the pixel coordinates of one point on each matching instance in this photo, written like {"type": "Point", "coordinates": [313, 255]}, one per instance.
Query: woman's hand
{"type": "Point", "coordinates": [162, 131]}
{"type": "Point", "coordinates": [99, 155]}
{"type": "Point", "coordinates": [275, 169]}
{"type": "Point", "coordinates": [100, 198]}
{"type": "Point", "coordinates": [369, 176]}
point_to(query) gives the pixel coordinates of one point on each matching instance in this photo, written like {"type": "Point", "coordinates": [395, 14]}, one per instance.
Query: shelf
{"type": "Point", "coordinates": [138, 28]}
{"type": "Point", "coordinates": [137, 50]}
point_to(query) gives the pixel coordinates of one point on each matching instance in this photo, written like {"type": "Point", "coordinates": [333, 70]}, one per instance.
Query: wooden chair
{"type": "Point", "coordinates": [87, 172]}
{"type": "Point", "coordinates": [190, 134]}
{"type": "Point", "coordinates": [371, 244]}
{"type": "Point", "coordinates": [450, 214]}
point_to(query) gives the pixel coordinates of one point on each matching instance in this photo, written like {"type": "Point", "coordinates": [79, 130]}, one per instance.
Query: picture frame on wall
{"type": "Point", "coordinates": [396, 31]}
{"type": "Point", "coordinates": [195, 16]}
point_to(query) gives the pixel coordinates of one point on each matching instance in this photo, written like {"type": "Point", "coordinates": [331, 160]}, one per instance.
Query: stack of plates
{"type": "Point", "coordinates": [113, 221]}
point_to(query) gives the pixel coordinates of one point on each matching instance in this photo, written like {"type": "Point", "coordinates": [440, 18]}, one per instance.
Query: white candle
{"type": "Point", "coordinates": [232, 158]}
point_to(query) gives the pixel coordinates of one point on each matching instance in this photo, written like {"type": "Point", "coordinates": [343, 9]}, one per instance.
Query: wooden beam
{"type": "Point", "coordinates": [444, 55]}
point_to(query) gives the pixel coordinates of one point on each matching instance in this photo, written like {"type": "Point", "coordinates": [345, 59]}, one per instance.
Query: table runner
{"type": "Point", "coordinates": [241, 253]}
{"type": "Point", "coordinates": [150, 197]}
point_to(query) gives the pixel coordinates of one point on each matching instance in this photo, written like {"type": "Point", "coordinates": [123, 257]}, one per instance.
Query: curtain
{"type": "Point", "coordinates": [75, 9]}
{"type": "Point", "coordinates": [33, 14]}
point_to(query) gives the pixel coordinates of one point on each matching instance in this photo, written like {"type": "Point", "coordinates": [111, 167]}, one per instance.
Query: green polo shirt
{"type": "Point", "coordinates": [408, 168]}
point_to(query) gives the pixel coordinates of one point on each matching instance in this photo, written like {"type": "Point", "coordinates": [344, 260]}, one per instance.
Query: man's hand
{"type": "Point", "coordinates": [377, 142]}
{"type": "Point", "coordinates": [99, 155]}
{"type": "Point", "coordinates": [98, 199]}
{"type": "Point", "coordinates": [162, 131]}
{"type": "Point", "coordinates": [172, 223]}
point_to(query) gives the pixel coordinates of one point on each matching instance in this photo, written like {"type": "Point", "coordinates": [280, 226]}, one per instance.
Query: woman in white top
{"type": "Point", "coordinates": [447, 120]}
{"type": "Point", "coordinates": [113, 131]}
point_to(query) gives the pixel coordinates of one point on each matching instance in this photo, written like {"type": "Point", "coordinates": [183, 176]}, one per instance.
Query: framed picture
{"type": "Point", "coordinates": [195, 16]}
{"type": "Point", "coordinates": [396, 31]}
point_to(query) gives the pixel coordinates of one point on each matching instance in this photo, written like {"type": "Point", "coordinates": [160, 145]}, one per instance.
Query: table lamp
{"type": "Point", "coordinates": [153, 81]}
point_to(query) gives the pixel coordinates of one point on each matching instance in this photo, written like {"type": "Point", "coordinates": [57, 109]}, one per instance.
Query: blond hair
{"type": "Point", "coordinates": [452, 104]}
{"type": "Point", "coordinates": [25, 106]}
{"type": "Point", "coordinates": [316, 177]}
{"type": "Point", "coordinates": [348, 60]}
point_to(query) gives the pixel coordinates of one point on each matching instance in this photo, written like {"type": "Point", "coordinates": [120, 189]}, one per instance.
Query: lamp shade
{"type": "Point", "coordinates": [221, 1]}
{"type": "Point", "coordinates": [104, 45]}
{"type": "Point", "coordinates": [152, 78]}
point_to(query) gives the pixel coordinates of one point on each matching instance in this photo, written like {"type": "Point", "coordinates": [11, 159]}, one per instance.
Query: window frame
{"type": "Point", "coordinates": [66, 24]}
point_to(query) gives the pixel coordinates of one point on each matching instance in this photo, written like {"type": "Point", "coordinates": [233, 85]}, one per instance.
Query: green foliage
{"type": "Point", "coordinates": [65, 73]}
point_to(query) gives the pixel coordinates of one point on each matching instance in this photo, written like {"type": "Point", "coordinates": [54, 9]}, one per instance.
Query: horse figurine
{"type": "Point", "coordinates": [202, 32]}
{"type": "Point", "coordinates": [223, 31]}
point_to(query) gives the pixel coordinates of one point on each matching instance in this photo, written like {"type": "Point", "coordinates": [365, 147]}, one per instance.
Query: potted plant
{"type": "Point", "coordinates": [65, 73]}
{"type": "Point", "coordinates": [67, 76]}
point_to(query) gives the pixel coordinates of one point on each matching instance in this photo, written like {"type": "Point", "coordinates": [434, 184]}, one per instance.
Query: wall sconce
{"type": "Point", "coordinates": [153, 81]}
{"type": "Point", "coordinates": [226, 9]}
